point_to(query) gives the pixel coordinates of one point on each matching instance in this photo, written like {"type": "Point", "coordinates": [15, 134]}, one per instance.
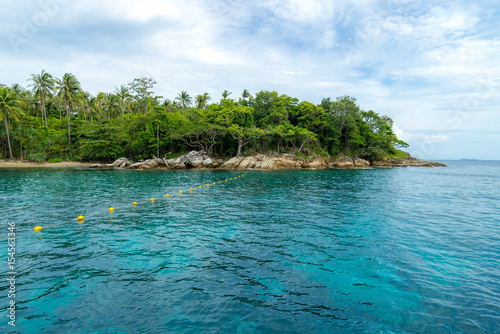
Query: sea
{"type": "Point", "coordinates": [386, 250]}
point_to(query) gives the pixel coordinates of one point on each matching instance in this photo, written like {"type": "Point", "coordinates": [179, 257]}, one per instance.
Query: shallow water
{"type": "Point", "coordinates": [385, 250]}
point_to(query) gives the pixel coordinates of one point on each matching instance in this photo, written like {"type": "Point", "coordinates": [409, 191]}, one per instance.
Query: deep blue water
{"type": "Point", "coordinates": [405, 250]}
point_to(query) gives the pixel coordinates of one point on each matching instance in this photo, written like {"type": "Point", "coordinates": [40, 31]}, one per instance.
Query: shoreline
{"type": "Point", "coordinates": [259, 162]}
{"type": "Point", "coordinates": [30, 164]}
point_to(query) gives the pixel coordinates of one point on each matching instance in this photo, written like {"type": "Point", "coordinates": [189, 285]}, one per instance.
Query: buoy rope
{"type": "Point", "coordinates": [81, 218]}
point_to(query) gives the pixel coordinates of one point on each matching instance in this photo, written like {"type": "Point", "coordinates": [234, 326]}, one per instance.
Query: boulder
{"type": "Point", "coordinates": [343, 162]}
{"type": "Point", "coordinates": [149, 164]}
{"type": "Point", "coordinates": [179, 163]}
{"type": "Point", "coordinates": [125, 164]}
{"type": "Point", "coordinates": [193, 159]}
{"type": "Point", "coordinates": [207, 162]}
{"type": "Point", "coordinates": [316, 164]}
{"type": "Point", "coordinates": [232, 163]}
{"type": "Point", "coordinates": [117, 162]}
{"type": "Point", "coordinates": [361, 163]}
{"type": "Point", "coordinates": [95, 166]}
{"type": "Point", "coordinates": [134, 165]}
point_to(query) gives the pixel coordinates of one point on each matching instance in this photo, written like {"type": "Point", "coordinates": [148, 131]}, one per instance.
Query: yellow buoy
{"type": "Point", "coordinates": [191, 189]}
{"type": "Point", "coordinates": [111, 209]}
{"type": "Point", "coordinates": [208, 185]}
{"type": "Point", "coordinates": [80, 218]}
{"type": "Point", "coordinates": [214, 183]}
{"type": "Point", "coordinates": [38, 229]}
{"type": "Point", "coordinates": [167, 195]}
{"type": "Point", "coordinates": [152, 199]}
{"type": "Point", "coordinates": [200, 186]}
{"type": "Point", "coordinates": [80, 222]}
{"type": "Point", "coordinates": [230, 178]}
{"type": "Point", "coordinates": [180, 191]}
{"type": "Point", "coordinates": [226, 180]}
{"type": "Point", "coordinates": [134, 203]}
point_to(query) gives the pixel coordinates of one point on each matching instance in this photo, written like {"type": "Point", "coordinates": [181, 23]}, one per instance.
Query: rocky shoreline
{"type": "Point", "coordinates": [200, 160]}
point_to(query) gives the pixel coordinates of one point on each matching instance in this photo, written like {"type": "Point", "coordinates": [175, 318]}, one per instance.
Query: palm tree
{"type": "Point", "coordinates": [225, 94]}
{"type": "Point", "coordinates": [69, 86]}
{"type": "Point", "coordinates": [93, 108]}
{"type": "Point", "coordinates": [43, 84]}
{"type": "Point", "coordinates": [85, 103]}
{"type": "Point", "coordinates": [201, 100]}
{"type": "Point", "coordinates": [246, 94]}
{"type": "Point", "coordinates": [122, 93]}
{"type": "Point", "coordinates": [101, 97]}
{"type": "Point", "coordinates": [9, 107]}
{"type": "Point", "coordinates": [111, 104]}
{"type": "Point", "coordinates": [184, 99]}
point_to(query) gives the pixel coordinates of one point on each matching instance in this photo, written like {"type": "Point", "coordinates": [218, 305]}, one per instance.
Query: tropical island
{"type": "Point", "coordinates": [55, 120]}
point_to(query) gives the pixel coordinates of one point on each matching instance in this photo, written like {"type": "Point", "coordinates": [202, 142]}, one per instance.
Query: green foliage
{"type": "Point", "coordinates": [55, 160]}
{"type": "Point", "coordinates": [133, 122]}
{"type": "Point", "coordinates": [37, 157]}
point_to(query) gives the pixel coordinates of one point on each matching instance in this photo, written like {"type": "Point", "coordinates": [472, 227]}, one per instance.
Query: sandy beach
{"type": "Point", "coordinates": [28, 164]}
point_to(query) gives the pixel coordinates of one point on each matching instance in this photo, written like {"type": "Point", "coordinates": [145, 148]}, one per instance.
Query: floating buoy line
{"type": "Point", "coordinates": [80, 219]}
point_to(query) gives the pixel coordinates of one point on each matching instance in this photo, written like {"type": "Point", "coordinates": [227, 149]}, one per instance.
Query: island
{"type": "Point", "coordinates": [55, 122]}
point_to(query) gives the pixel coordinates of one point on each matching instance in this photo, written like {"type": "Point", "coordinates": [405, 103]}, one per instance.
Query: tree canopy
{"type": "Point", "coordinates": [55, 119]}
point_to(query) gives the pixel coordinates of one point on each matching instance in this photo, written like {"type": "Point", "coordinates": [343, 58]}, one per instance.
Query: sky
{"type": "Point", "coordinates": [432, 66]}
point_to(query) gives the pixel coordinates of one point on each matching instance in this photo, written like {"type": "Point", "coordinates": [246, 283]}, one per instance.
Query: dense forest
{"type": "Point", "coordinates": [54, 119]}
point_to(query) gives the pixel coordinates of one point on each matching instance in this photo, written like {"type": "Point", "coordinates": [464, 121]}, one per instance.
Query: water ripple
{"type": "Point", "coordinates": [386, 251]}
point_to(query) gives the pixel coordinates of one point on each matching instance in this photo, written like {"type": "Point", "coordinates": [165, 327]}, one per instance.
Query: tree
{"type": "Point", "coordinates": [143, 90]}
{"type": "Point", "coordinates": [244, 135]}
{"type": "Point", "coordinates": [122, 93]}
{"type": "Point", "coordinates": [69, 86]}
{"type": "Point", "coordinates": [184, 99]}
{"type": "Point", "coordinates": [43, 85]}
{"type": "Point", "coordinates": [225, 94]}
{"type": "Point", "coordinates": [201, 100]}
{"type": "Point", "coordinates": [111, 105]}
{"type": "Point", "coordinates": [9, 107]}
{"type": "Point", "coordinates": [246, 94]}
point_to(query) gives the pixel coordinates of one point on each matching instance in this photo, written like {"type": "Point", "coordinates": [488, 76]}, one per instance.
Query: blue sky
{"type": "Point", "coordinates": [433, 66]}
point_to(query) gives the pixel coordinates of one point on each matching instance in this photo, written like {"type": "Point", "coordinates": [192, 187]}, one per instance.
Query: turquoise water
{"type": "Point", "coordinates": [407, 250]}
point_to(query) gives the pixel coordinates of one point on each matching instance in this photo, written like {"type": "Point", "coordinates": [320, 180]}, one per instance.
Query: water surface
{"type": "Point", "coordinates": [405, 250]}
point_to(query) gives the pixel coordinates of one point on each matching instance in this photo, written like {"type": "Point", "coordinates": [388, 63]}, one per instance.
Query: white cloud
{"type": "Point", "coordinates": [308, 12]}
{"type": "Point", "coordinates": [430, 66]}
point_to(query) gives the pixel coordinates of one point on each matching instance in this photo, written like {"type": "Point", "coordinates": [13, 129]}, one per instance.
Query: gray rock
{"type": "Point", "coordinates": [207, 162]}
{"type": "Point", "coordinates": [134, 165]}
{"type": "Point", "coordinates": [117, 162]}
{"type": "Point", "coordinates": [361, 162]}
{"type": "Point", "coordinates": [193, 159]}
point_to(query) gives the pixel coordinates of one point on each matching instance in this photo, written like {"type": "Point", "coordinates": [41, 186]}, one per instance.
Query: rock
{"type": "Point", "coordinates": [193, 159]}
{"type": "Point", "coordinates": [207, 162]}
{"type": "Point", "coordinates": [95, 166]}
{"type": "Point", "coordinates": [125, 164]}
{"type": "Point", "coordinates": [232, 163]}
{"type": "Point", "coordinates": [134, 165]}
{"type": "Point", "coordinates": [117, 163]}
{"type": "Point", "coordinates": [408, 161]}
{"type": "Point", "coordinates": [316, 164]}
{"type": "Point", "coordinates": [178, 163]}
{"type": "Point", "coordinates": [149, 164]}
{"type": "Point", "coordinates": [361, 163]}
{"type": "Point", "coordinates": [343, 162]}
